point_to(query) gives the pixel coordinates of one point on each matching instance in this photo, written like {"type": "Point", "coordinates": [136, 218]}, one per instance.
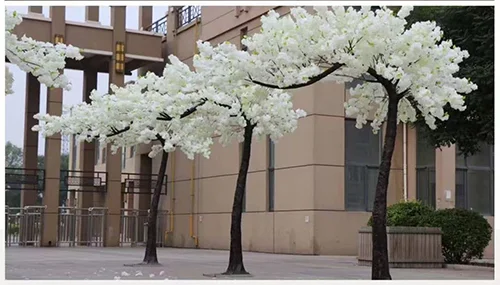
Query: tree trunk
{"type": "Point", "coordinates": [236, 252]}
{"type": "Point", "coordinates": [150, 256]}
{"type": "Point", "coordinates": [380, 258]}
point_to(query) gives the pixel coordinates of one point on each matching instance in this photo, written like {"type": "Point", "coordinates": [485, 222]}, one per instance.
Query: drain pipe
{"type": "Point", "coordinates": [172, 201]}
{"type": "Point", "coordinates": [191, 216]}
{"type": "Point", "coordinates": [405, 163]}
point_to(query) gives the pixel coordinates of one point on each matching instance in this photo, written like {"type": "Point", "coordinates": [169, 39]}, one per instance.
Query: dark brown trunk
{"type": "Point", "coordinates": [150, 256]}
{"type": "Point", "coordinates": [236, 252]}
{"type": "Point", "coordinates": [380, 258]}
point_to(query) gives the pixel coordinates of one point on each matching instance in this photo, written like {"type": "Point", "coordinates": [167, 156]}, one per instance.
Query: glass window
{"type": "Point", "coordinates": [474, 188]}
{"type": "Point", "coordinates": [362, 159]}
{"type": "Point", "coordinates": [97, 152]}
{"type": "Point", "coordinates": [271, 180]}
{"type": "Point", "coordinates": [426, 171]}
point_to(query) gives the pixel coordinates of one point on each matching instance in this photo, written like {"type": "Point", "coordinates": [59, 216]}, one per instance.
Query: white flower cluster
{"type": "Point", "coordinates": [270, 110]}
{"type": "Point", "coordinates": [185, 108]}
{"type": "Point", "coordinates": [44, 60]}
{"type": "Point", "coordinates": [292, 49]}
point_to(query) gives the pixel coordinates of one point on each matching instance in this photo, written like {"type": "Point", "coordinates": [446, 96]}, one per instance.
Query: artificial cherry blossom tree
{"type": "Point", "coordinates": [43, 60]}
{"type": "Point", "coordinates": [171, 109]}
{"type": "Point", "coordinates": [255, 112]}
{"type": "Point", "coordinates": [403, 69]}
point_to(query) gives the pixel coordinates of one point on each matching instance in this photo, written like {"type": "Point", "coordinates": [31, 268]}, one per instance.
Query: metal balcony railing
{"type": "Point", "coordinates": [159, 27]}
{"type": "Point", "coordinates": [188, 14]}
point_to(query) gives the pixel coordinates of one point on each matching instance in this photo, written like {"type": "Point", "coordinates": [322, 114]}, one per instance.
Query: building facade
{"type": "Point", "coordinates": [310, 192]}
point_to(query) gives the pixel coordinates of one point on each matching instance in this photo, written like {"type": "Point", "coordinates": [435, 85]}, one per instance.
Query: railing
{"type": "Point", "coordinates": [24, 225]}
{"type": "Point", "coordinates": [187, 14]}
{"type": "Point", "coordinates": [141, 183]}
{"type": "Point", "coordinates": [159, 27]}
{"type": "Point", "coordinates": [24, 179]}
{"type": "Point", "coordinates": [81, 226]}
{"type": "Point", "coordinates": [134, 227]}
{"type": "Point", "coordinates": [83, 181]}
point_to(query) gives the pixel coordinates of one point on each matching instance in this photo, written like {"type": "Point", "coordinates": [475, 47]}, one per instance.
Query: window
{"type": "Point", "coordinates": [104, 155]}
{"type": "Point", "coordinates": [270, 180]}
{"type": "Point", "coordinates": [243, 34]}
{"type": "Point", "coordinates": [475, 181]}
{"type": "Point", "coordinates": [244, 207]}
{"type": "Point", "coordinates": [124, 157]}
{"type": "Point", "coordinates": [74, 151]}
{"type": "Point", "coordinates": [362, 159]}
{"type": "Point", "coordinates": [97, 152]}
{"type": "Point", "coordinates": [426, 172]}
{"type": "Point", "coordinates": [132, 151]}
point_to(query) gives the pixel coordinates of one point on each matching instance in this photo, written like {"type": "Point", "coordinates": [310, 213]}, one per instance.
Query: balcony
{"type": "Point", "coordinates": [96, 42]}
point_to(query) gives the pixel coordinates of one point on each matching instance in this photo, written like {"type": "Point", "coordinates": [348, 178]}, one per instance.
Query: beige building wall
{"type": "Point", "coordinates": [309, 214]}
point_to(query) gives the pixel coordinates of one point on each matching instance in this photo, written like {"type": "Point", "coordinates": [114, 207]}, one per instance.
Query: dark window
{"type": "Point", "coordinates": [75, 152]}
{"type": "Point", "coordinates": [244, 207]}
{"type": "Point", "coordinates": [104, 155]}
{"type": "Point", "coordinates": [97, 152]}
{"type": "Point", "coordinates": [243, 34]}
{"type": "Point", "coordinates": [362, 159]}
{"type": "Point", "coordinates": [132, 151]}
{"type": "Point", "coordinates": [474, 177]}
{"type": "Point", "coordinates": [124, 157]}
{"type": "Point", "coordinates": [426, 171]}
{"type": "Point", "coordinates": [271, 181]}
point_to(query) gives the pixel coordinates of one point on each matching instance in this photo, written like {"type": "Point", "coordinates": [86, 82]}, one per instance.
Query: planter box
{"type": "Point", "coordinates": [409, 247]}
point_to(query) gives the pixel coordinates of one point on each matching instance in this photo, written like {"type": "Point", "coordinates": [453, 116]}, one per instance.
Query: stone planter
{"type": "Point", "coordinates": [409, 247]}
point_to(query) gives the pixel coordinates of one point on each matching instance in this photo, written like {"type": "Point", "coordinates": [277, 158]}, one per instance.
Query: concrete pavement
{"type": "Point", "coordinates": [108, 263]}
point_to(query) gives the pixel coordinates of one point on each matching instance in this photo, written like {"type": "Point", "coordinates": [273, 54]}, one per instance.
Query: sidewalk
{"type": "Point", "coordinates": [107, 264]}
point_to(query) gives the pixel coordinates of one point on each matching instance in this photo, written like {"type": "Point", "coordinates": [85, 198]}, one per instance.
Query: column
{"type": "Point", "coordinates": [30, 145]}
{"type": "Point", "coordinates": [445, 177]}
{"type": "Point", "coordinates": [92, 13]}
{"type": "Point", "coordinates": [35, 9]}
{"type": "Point", "coordinates": [113, 162]}
{"type": "Point", "coordinates": [145, 19]}
{"type": "Point", "coordinates": [86, 158]}
{"type": "Point", "coordinates": [142, 202]}
{"type": "Point", "coordinates": [53, 145]}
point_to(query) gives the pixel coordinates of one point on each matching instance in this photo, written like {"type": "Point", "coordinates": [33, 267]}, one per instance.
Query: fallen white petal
{"type": "Point", "coordinates": [125, 274]}
{"type": "Point", "coordinates": [138, 273]}
{"type": "Point", "coordinates": [117, 278]}
{"type": "Point", "coordinates": [151, 275]}
{"type": "Point", "coordinates": [162, 272]}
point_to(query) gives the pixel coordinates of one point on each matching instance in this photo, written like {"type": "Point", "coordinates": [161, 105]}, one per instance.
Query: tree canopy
{"type": "Point", "coordinates": [471, 28]}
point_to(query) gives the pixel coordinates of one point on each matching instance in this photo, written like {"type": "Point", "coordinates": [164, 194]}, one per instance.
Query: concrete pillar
{"type": "Point", "coordinates": [145, 19]}
{"type": "Point", "coordinates": [30, 145]}
{"type": "Point", "coordinates": [87, 158]}
{"type": "Point", "coordinates": [92, 13]}
{"type": "Point", "coordinates": [445, 177]}
{"type": "Point", "coordinates": [53, 144]}
{"type": "Point", "coordinates": [142, 201]}
{"type": "Point", "coordinates": [113, 162]}
{"type": "Point", "coordinates": [35, 9]}
{"type": "Point", "coordinates": [145, 16]}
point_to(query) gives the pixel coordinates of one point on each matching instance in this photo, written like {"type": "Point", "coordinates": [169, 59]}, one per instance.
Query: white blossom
{"type": "Point", "coordinates": [292, 49]}
{"type": "Point", "coordinates": [43, 60]}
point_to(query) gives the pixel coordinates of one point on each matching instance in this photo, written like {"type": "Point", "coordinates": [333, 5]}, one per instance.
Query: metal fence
{"type": "Point", "coordinates": [160, 26]}
{"type": "Point", "coordinates": [24, 225]}
{"type": "Point", "coordinates": [134, 227]}
{"type": "Point", "coordinates": [188, 14]}
{"type": "Point", "coordinates": [81, 226]}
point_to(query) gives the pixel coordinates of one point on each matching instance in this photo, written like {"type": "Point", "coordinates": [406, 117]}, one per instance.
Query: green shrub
{"type": "Point", "coordinates": [406, 214]}
{"type": "Point", "coordinates": [13, 229]}
{"type": "Point", "coordinates": [465, 233]}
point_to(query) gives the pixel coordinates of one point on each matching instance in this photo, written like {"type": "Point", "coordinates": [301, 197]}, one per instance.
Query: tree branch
{"type": "Point", "coordinates": [312, 80]}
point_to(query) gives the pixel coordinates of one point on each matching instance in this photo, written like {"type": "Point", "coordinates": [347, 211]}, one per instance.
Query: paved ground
{"type": "Point", "coordinates": [108, 263]}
